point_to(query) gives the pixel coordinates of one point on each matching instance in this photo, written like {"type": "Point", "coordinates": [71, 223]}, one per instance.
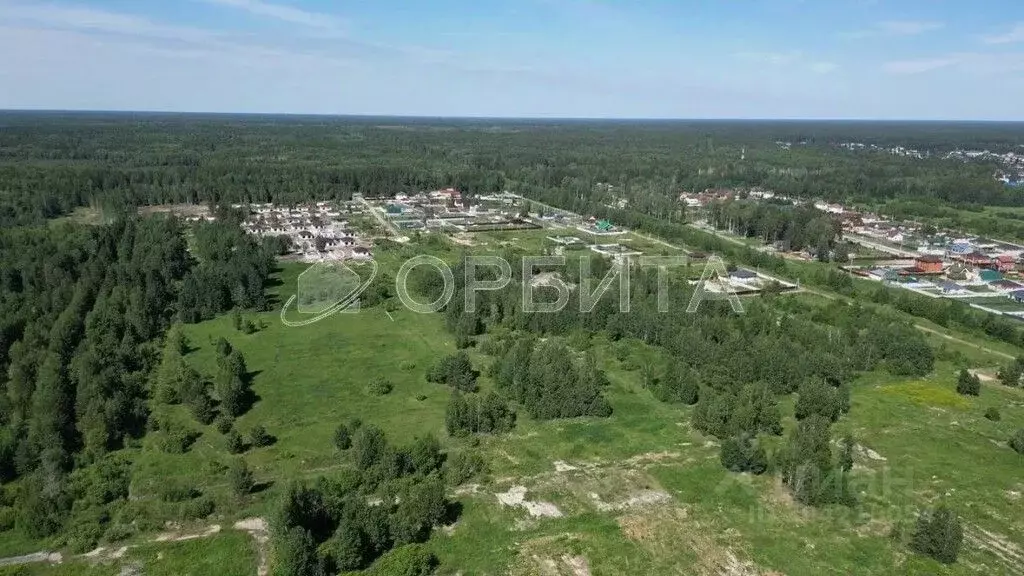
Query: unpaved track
{"type": "Point", "coordinates": [255, 527]}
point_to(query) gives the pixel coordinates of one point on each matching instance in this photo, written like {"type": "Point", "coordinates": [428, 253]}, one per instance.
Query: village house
{"type": "Point", "coordinates": [1005, 262]}
{"type": "Point", "coordinates": [1005, 285]}
{"type": "Point", "coordinates": [977, 259]}
{"type": "Point", "coordinates": [928, 264]}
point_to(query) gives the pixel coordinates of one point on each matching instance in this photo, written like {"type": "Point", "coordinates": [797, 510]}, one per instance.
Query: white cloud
{"type": "Point", "coordinates": [290, 14]}
{"type": "Point", "coordinates": [95, 20]}
{"type": "Point", "coordinates": [908, 27]}
{"type": "Point", "coordinates": [791, 58]}
{"type": "Point", "coordinates": [918, 66]}
{"type": "Point", "coordinates": [773, 58]}
{"type": "Point", "coordinates": [976, 63]}
{"type": "Point", "coordinates": [1016, 34]}
{"type": "Point", "coordinates": [896, 28]}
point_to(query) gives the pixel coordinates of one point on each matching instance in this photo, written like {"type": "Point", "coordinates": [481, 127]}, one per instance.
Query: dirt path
{"type": "Point", "coordinates": [51, 557]}
{"type": "Point", "coordinates": [255, 527]}
{"type": "Point", "coordinates": [965, 342]}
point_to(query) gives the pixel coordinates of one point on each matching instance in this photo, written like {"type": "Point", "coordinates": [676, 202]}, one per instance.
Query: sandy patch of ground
{"type": "Point", "coordinates": [983, 374]}
{"type": "Point", "coordinates": [565, 565]}
{"type": "Point", "coordinates": [50, 557]}
{"type": "Point", "coordinates": [1009, 553]}
{"type": "Point", "coordinates": [870, 454]}
{"type": "Point", "coordinates": [639, 499]}
{"type": "Point", "coordinates": [564, 467]}
{"type": "Point", "coordinates": [176, 209]}
{"type": "Point", "coordinates": [102, 554]}
{"type": "Point", "coordinates": [665, 532]}
{"type": "Point", "coordinates": [516, 498]}
{"type": "Point", "coordinates": [651, 457]}
{"type": "Point", "coordinates": [257, 528]}
{"type": "Point", "coordinates": [467, 489]}
{"type": "Point", "coordinates": [178, 537]}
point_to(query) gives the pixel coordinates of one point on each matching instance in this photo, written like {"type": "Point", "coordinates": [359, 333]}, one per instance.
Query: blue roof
{"type": "Point", "coordinates": [960, 248]}
{"type": "Point", "coordinates": [989, 275]}
{"type": "Point", "coordinates": [1017, 294]}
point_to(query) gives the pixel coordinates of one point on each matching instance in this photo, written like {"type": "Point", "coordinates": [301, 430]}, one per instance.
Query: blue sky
{"type": "Point", "coordinates": [889, 59]}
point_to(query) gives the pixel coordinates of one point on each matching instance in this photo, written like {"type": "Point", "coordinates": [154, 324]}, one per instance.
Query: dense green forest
{"type": "Point", "coordinates": [83, 311]}
{"type": "Point", "coordinates": [51, 163]}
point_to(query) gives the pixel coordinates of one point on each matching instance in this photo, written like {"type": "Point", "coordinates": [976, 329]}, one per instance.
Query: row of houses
{"type": "Point", "coordinates": [316, 230]}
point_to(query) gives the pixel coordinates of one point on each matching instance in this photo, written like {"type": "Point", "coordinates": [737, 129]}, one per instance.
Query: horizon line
{"type": "Point", "coordinates": [505, 118]}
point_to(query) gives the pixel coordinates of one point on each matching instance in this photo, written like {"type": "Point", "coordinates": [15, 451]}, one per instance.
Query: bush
{"type": "Point", "coordinates": [742, 454]}
{"type": "Point", "coordinates": [259, 437]}
{"type": "Point", "coordinates": [196, 509]}
{"type": "Point", "coordinates": [141, 514]}
{"type": "Point", "coordinates": [8, 517]}
{"type": "Point", "coordinates": [234, 443]}
{"type": "Point", "coordinates": [118, 532]}
{"type": "Point", "coordinates": [409, 560]}
{"type": "Point", "coordinates": [938, 534]}
{"type": "Point", "coordinates": [1017, 441]}
{"type": "Point", "coordinates": [173, 492]}
{"type": "Point", "coordinates": [84, 535]}
{"type": "Point", "coordinates": [968, 384]}
{"type": "Point", "coordinates": [454, 370]}
{"type": "Point", "coordinates": [241, 478]}
{"type": "Point", "coordinates": [379, 386]}
{"type": "Point", "coordinates": [342, 437]}
{"type": "Point", "coordinates": [174, 439]}
{"type": "Point", "coordinates": [463, 466]}
{"type": "Point", "coordinates": [224, 423]}
{"type": "Point", "coordinates": [993, 414]}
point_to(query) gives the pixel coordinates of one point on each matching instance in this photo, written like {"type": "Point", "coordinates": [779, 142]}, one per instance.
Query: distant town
{"type": "Point", "coordinates": [985, 273]}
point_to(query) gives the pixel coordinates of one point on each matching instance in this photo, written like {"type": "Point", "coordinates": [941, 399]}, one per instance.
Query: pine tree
{"type": "Point", "coordinates": [968, 384]}
{"type": "Point", "coordinates": [241, 478]}
{"type": "Point", "coordinates": [938, 534]}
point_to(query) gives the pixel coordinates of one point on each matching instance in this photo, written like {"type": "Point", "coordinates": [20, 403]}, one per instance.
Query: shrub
{"type": "Point", "coordinates": [342, 437]}
{"type": "Point", "coordinates": [1017, 441]}
{"type": "Point", "coordinates": [938, 534]}
{"type": "Point", "coordinates": [742, 454]}
{"type": "Point", "coordinates": [8, 517]}
{"type": "Point", "coordinates": [259, 436]}
{"type": "Point", "coordinates": [174, 439]}
{"type": "Point", "coordinates": [462, 466]}
{"type": "Point", "coordinates": [118, 532]}
{"type": "Point", "coordinates": [968, 384]}
{"type": "Point", "coordinates": [225, 423]}
{"type": "Point", "coordinates": [409, 560]}
{"type": "Point", "coordinates": [379, 386]}
{"type": "Point", "coordinates": [454, 370]}
{"type": "Point", "coordinates": [196, 509]}
{"type": "Point", "coordinates": [241, 478]}
{"type": "Point", "coordinates": [173, 492]}
{"type": "Point", "coordinates": [234, 443]}
{"type": "Point", "coordinates": [993, 414]}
